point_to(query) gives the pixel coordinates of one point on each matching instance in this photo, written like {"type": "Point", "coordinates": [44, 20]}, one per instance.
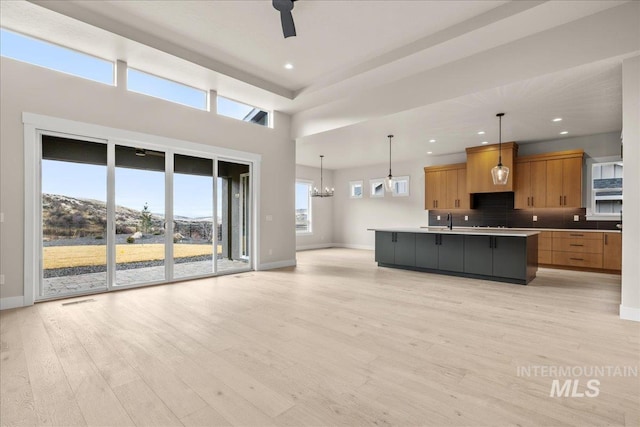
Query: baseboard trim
{"type": "Point", "coordinates": [630, 313]}
{"type": "Point", "coordinates": [277, 264]}
{"type": "Point", "coordinates": [350, 246]}
{"type": "Point", "coordinates": [11, 302]}
{"type": "Point", "coordinates": [316, 246]}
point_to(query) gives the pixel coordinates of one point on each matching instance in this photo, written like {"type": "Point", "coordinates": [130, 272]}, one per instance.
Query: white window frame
{"type": "Point", "coordinates": [35, 125]}
{"type": "Point", "coordinates": [375, 182]}
{"type": "Point", "coordinates": [309, 230]}
{"type": "Point", "coordinates": [397, 179]}
{"type": "Point", "coordinates": [354, 184]}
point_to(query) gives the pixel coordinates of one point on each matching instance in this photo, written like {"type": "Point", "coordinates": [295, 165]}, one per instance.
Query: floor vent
{"type": "Point", "coordinates": [78, 302]}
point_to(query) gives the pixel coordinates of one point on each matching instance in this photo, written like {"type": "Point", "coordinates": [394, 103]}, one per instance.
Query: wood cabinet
{"type": "Point", "coordinates": [612, 251]}
{"type": "Point", "coordinates": [552, 180]}
{"type": "Point", "coordinates": [564, 182]}
{"type": "Point", "coordinates": [446, 187]}
{"type": "Point", "coordinates": [481, 159]}
{"type": "Point", "coordinates": [545, 246]}
{"type": "Point", "coordinates": [530, 184]}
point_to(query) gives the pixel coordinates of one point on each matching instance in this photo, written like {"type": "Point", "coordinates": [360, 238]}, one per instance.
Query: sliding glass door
{"type": "Point", "coordinates": [233, 219]}
{"type": "Point", "coordinates": [115, 215]}
{"type": "Point", "coordinates": [139, 216]}
{"type": "Point", "coordinates": [193, 231]}
{"type": "Point", "coordinates": [73, 216]}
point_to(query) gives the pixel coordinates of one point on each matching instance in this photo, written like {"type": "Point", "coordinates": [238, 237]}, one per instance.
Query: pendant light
{"type": "Point", "coordinates": [324, 191]}
{"type": "Point", "coordinates": [388, 181]}
{"type": "Point", "coordinates": [500, 173]}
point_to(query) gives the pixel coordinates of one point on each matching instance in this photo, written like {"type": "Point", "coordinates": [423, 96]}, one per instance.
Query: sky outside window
{"type": "Point", "coordinates": [43, 54]}
{"type": "Point", "coordinates": [148, 84]}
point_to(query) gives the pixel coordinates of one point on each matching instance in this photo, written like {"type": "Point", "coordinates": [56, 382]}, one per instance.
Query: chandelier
{"type": "Point", "coordinates": [324, 191]}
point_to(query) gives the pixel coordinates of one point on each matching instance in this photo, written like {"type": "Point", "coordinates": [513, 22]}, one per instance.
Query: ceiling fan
{"type": "Point", "coordinates": [285, 7]}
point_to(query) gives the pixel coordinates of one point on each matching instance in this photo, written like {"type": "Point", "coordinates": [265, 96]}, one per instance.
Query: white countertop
{"type": "Point", "coordinates": [479, 231]}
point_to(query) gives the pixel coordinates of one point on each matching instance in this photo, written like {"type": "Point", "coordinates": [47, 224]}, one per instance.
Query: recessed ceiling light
{"type": "Point", "coordinates": [564, 132]}
{"type": "Point", "coordinates": [432, 140]}
{"type": "Point", "coordinates": [557, 119]}
{"type": "Point", "coordinates": [485, 142]}
{"type": "Point", "coordinates": [429, 152]}
{"type": "Point", "coordinates": [481, 132]}
{"type": "Point", "coordinates": [288, 66]}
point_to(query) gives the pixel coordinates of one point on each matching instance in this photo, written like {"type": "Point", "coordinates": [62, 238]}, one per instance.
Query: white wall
{"type": "Point", "coordinates": [352, 217]}
{"type": "Point", "coordinates": [630, 306]}
{"type": "Point", "coordinates": [27, 88]}
{"type": "Point", "coordinates": [321, 211]}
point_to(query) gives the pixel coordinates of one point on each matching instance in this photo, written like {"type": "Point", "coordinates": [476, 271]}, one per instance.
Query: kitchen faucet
{"type": "Point", "coordinates": [450, 221]}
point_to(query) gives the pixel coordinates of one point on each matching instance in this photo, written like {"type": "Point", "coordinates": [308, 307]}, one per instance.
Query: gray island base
{"type": "Point", "coordinates": [501, 255]}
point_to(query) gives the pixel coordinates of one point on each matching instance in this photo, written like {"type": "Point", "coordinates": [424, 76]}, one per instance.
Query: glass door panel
{"type": "Point", "coordinates": [193, 238]}
{"type": "Point", "coordinates": [233, 217]}
{"type": "Point", "coordinates": [74, 216]}
{"type": "Point", "coordinates": [139, 216]}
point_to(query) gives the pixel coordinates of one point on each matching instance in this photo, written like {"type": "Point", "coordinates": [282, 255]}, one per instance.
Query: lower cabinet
{"type": "Point", "coordinates": [396, 248]}
{"type": "Point", "coordinates": [440, 251]}
{"type": "Point", "coordinates": [499, 256]}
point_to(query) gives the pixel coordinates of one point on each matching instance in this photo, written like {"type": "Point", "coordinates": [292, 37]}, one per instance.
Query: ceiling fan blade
{"type": "Point", "coordinates": [288, 27]}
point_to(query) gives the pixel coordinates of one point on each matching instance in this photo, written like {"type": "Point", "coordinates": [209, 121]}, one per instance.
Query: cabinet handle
{"type": "Point", "coordinates": [577, 259]}
{"type": "Point", "coordinates": [560, 200]}
{"type": "Point", "coordinates": [573, 244]}
{"type": "Point", "coordinates": [565, 200]}
{"type": "Point", "coordinates": [490, 241]}
{"type": "Point", "coordinates": [532, 201]}
{"type": "Point", "coordinates": [576, 235]}
{"type": "Point", "coordinates": [605, 239]}
{"type": "Point", "coordinates": [528, 204]}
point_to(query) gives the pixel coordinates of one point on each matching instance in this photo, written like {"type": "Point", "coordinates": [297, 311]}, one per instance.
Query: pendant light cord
{"type": "Point", "coordinates": [321, 183]}
{"type": "Point", "coordinates": [390, 136]}
{"type": "Point", "coordinates": [500, 138]}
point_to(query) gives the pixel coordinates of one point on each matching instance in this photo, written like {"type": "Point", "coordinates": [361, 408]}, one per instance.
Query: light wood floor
{"type": "Point", "coordinates": [335, 341]}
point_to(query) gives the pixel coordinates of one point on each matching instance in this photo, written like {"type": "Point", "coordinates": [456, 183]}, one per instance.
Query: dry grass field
{"type": "Point", "coordinates": [78, 256]}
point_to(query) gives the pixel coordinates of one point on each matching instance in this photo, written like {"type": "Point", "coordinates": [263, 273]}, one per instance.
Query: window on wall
{"type": "Point", "coordinates": [246, 113]}
{"type": "Point", "coordinates": [303, 207]}
{"type": "Point", "coordinates": [37, 52]}
{"type": "Point", "coordinates": [148, 84]}
{"type": "Point", "coordinates": [401, 186]}
{"type": "Point", "coordinates": [376, 187]}
{"type": "Point", "coordinates": [355, 189]}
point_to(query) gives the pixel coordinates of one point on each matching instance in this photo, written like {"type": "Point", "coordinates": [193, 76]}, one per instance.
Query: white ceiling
{"type": "Point", "coordinates": [363, 69]}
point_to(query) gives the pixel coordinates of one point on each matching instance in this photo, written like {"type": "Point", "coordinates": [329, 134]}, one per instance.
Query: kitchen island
{"type": "Point", "coordinates": [502, 255]}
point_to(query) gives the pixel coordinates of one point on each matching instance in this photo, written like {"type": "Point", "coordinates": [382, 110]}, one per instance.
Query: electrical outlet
{"type": "Point", "coordinates": [535, 218]}
{"type": "Point", "coordinates": [438, 217]}
{"type": "Point", "coordinates": [1, 279]}
{"type": "Point", "coordinates": [576, 217]}
{"type": "Point", "coordinates": [466, 217]}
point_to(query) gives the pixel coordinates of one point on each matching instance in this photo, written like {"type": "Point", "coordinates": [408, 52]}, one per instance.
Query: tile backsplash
{"type": "Point", "coordinates": [496, 210]}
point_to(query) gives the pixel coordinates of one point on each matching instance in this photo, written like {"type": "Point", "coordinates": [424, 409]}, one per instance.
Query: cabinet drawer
{"type": "Point", "coordinates": [589, 235]}
{"type": "Point", "coordinates": [577, 245]}
{"type": "Point", "coordinates": [576, 259]}
{"type": "Point", "coordinates": [544, 257]}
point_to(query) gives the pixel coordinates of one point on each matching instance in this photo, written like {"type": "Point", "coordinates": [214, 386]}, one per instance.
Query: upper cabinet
{"type": "Point", "coordinates": [446, 187]}
{"type": "Point", "coordinates": [551, 180]}
{"type": "Point", "coordinates": [530, 184]}
{"type": "Point", "coordinates": [481, 159]}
